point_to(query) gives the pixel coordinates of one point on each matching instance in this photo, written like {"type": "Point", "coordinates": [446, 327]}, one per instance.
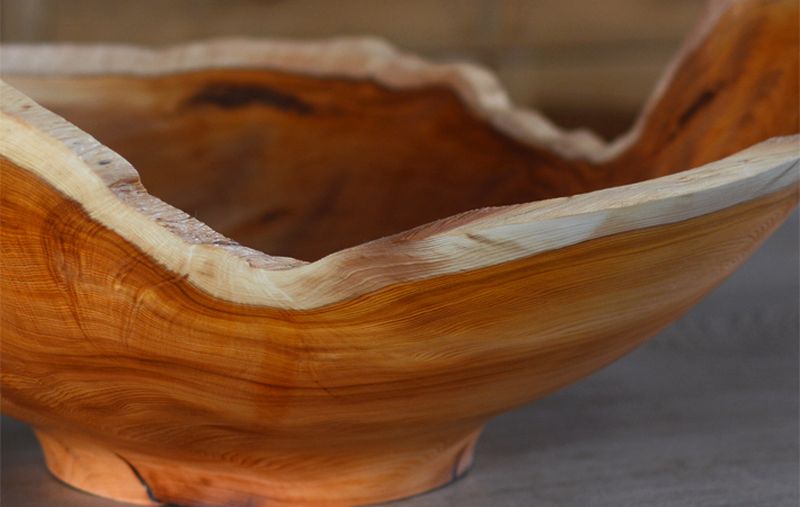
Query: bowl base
{"type": "Point", "coordinates": [149, 480]}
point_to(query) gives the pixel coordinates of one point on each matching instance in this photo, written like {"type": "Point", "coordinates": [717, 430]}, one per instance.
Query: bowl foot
{"type": "Point", "coordinates": [364, 476]}
{"type": "Point", "coordinates": [93, 468]}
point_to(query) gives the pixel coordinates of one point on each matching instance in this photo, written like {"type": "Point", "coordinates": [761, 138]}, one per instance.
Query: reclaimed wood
{"type": "Point", "coordinates": [161, 361]}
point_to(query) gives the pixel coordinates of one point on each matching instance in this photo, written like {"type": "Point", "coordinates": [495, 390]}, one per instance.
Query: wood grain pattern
{"type": "Point", "coordinates": [273, 148]}
{"type": "Point", "coordinates": [88, 466]}
{"type": "Point", "coordinates": [162, 362]}
{"type": "Point", "coordinates": [383, 381]}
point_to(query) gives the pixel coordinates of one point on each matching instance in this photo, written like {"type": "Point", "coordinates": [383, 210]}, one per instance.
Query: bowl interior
{"type": "Point", "coordinates": [303, 166]}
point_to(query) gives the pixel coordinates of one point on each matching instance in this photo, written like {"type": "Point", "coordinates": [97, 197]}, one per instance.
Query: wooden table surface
{"type": "Point", "coordinates": [705, 414]}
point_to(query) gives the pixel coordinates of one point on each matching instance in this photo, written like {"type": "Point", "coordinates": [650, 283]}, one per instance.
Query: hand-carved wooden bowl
{"type": "Point", "coordinates": [160, 361]}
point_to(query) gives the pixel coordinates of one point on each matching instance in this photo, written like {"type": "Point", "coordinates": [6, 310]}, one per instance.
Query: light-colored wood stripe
{"type": "Point", "coordinates": [367, 58]}
{"type": "Point", "coordinates": [100, 340]}
{"type": "Point", "coordinates": [69, 160]}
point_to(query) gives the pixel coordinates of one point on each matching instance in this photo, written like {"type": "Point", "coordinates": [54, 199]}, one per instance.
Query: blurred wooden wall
{"type": "Point", "coordinates": [581, 62]}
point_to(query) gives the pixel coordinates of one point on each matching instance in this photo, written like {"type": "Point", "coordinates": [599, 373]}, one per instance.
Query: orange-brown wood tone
{"type": "Point", "coordinates": [302, 165]}
{"type": "Point", "coordinates": [160, 362]}
{"type": "Point", "coordinates": [371, 398]}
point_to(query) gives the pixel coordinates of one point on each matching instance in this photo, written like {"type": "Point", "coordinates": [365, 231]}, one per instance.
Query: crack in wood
{"type": "Point", "coordinates": [139, 477]}
{"type": "Point", "coordinates": [698, 104]}
{"type": "Point", "coordinates": [233, 96]}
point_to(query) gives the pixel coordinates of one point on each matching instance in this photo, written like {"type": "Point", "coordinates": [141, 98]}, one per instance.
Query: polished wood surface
{"type": "Point", "coordinates": [92, 467]}
{"type": "Point", "coordinates": [162, 362]}
{"type": "Point", "coordinates": [292, 406]}
{"type": "Point", "coordinates": [298, 164]}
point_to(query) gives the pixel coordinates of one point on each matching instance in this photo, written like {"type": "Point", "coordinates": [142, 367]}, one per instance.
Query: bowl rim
{"type": "Point", "coordinates": [358, 58]}
{"type": "Point", "coordinates": [108, 186]}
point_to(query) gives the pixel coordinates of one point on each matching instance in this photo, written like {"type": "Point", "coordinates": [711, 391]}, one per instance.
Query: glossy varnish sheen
{"type": "Point", "coordinates": [139, 362]}
{"type": "Point", "coordinates": [303, 164]}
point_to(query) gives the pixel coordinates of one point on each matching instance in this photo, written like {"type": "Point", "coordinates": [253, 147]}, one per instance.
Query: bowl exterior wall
{"type": "Point", "coordinates": [101, 341]}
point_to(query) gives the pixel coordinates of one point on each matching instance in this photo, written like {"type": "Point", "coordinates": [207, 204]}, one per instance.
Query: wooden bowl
{"type": "Point", "coordinates": [460, 257]}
